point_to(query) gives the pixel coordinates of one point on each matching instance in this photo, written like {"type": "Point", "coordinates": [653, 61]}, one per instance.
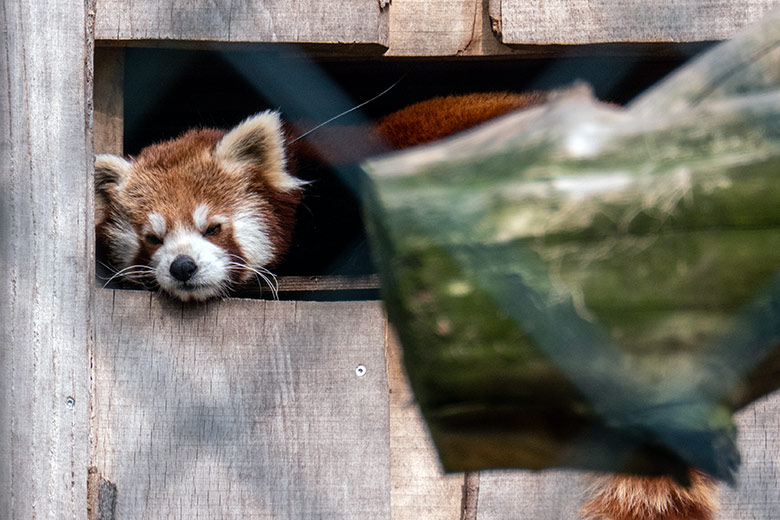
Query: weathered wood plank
{"type": "Point", "coordinates": [577, 22]}
{"type": "Point", "coordinates": [339, 21]}
{"type": "Point", "coordinates": [552, 495]}
{"type": "Point", "coordinates": [328, 283]}
{"type": "Point", "coordinates": [425, 27]}
{"type": "Point", "coordinates": [45, 258]}
{"type": "Point", "coordinates": [756, 494]}
{"type": "Point", "coordinates": [428, 27]}
{"type": "Point", "coordinates": [109, 99]}
{"type": "Point", "coordinates": [241, 409]}
{"type": "Point", "coordinates": [442, 28]}
{"type": "Point", "coordinates": [419, 488]}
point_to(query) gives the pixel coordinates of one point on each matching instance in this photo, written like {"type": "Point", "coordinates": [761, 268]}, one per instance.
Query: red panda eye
{"type": "Point", "coordinates": [154, 239]}
{"type": "Point", "coordinates": [213, 230]}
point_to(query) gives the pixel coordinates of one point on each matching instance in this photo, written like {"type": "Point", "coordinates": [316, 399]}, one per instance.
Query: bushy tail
{"type": "Point", "coordinates": [651, 498]}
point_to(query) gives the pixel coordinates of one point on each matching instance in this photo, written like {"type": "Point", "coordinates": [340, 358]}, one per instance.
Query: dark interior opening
{"type": "Point", "coordinates": [168, 91]}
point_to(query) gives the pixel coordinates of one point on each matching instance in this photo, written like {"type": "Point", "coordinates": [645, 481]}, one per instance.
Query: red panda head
{"type": "Point", "coordinates": [200, 213]}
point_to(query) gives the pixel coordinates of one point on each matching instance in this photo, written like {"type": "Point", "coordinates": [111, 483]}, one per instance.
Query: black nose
{"type": "Point", "coordinates": [183, 267]}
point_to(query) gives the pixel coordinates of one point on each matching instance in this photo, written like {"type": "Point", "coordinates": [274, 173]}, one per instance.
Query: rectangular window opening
{"type": "Point", "coordinates": [167, 91]}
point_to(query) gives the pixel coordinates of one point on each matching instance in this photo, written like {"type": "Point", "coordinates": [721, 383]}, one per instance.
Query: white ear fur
{"type": "Point", "coordinates": [258, 141]}
{"type": "Point", "coordinates": [110, 169]}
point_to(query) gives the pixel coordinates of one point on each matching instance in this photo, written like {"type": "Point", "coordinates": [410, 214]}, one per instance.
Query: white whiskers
{"type": "Point", "coordinates": [261, 273]}
{"type": "Point", "coordinates": [137, 273]}
{"type": "Point", "coordinates": [144, 275]}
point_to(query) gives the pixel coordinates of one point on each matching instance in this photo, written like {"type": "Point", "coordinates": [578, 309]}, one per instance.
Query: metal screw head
{"type": "Point", "coordinates": [360, 370]}
{"type": "Point", "coordinates": [70, 402]}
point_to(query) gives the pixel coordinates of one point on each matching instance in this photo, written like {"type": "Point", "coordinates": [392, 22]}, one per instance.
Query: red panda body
{"type": "Point", "coordinates": [440, 117]}
{"type": "Point", "coordinates": [211, 209]}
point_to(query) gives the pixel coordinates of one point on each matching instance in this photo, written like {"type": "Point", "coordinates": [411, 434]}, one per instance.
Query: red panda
{"type": "Point", "coordinates": [212, 209]}
{"type": "Point", "coordinates": [202, 213]}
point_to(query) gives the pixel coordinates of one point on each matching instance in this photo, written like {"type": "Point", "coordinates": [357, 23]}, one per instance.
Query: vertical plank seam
{"type": "Point", "coordinates": [476, 22]}
{"type": "Point", "coordinates": [89, 129]}
{"type": "Point", "coordinates": [89, 276]}
{"type": "Point", "coordinates": [389, 409]}
{"type": "Point", "coordinates": [470, 495]}
{"type": "Point", "coordinates": [495, 18]}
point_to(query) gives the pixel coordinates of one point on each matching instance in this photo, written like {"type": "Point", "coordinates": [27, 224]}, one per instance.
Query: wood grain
{"type": "Point", "coordinates": [756, 494]}
{"type": "Point", "coordinates": [444, 28]}
{"type": "Point", "coordinates": [335, 21]}
{"type": "Point", "coordinates": [328, 283]}
{"type": "Point", "coordinates": [577, 22]}
{"type": "Point", "coordinates": [109, 100]}
{"type": "Point", "coordinates": [552, 495]}
{"type": "Point", "coordinates": [419, 488]}
{"type": "Point", "coordinates": [433, 28]}
{"type": "Point", "coordinates": [429, 27]}
{"type": "Point", "coordinates": [45, 258]}
{"type": "Point", "coordinates": [241, 408]}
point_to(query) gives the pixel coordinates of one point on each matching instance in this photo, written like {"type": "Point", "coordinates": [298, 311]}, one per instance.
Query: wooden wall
{"type": "Point", "coordinates": [241, 409]}
{"type": "Point", "coordinates": [237, 409]}
{"type": "Point", "coordinates": [46, 257]}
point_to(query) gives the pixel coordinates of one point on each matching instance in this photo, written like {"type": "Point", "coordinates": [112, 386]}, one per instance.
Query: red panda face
{"type": "Point", "coordinates": [202, 213]}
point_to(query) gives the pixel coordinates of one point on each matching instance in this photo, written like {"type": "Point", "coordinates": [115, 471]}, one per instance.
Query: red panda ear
{"type": "Point", "coordinates": [110, 171]}
{"type": "Point", "coordinates": [258, 142]}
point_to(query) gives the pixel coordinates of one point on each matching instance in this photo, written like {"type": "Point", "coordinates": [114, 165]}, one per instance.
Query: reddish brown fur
{"type": "Point", "coordinates": [174, 177]}
{"type": "Point", "coordinates": [415, 124]}
{"type": "Point", "coordinates": [652, 498]}
{"type": "Point", "coordinates": [443, 116]}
